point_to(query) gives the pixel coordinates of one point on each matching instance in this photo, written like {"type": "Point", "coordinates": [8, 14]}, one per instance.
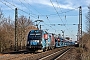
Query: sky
{"type": "Point", "coordinates": [52, 12]}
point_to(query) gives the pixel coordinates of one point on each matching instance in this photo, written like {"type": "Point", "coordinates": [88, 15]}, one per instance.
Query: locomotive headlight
{"type": "Point", "coordinates": [28, 42]}
{"type": "Point", "coordinates": [37, 41]}
{"type": "Point", "coordinates": [41, 42]}
{"type": "Point", "coordinates": [75, 43]}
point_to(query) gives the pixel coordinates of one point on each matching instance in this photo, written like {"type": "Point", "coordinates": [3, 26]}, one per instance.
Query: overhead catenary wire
{"type": "Point", "coordinates": [55, 14]}
{"type": "Point", "coordinates": [59, 6]}
{"type": "Point", "coordinates": [59, 16]}
{"type": "Point", "coordinates": [6, 5]}
{"type": "Point", "coordinates": [49, 26]}
{"type": "Point", "coordinates": [61, 10]}
{"type": "Point", "coordinates": [47, 16]}
{"type": "Point", "coordinates": [26, 7]}
{"type": "Point", "coordinates": [56, 11]}
{"type": "Point", "coordinates": [32, 7]}
{"type": "Point", "coordinates": [37, 11]}
{"type": "Point", "coordinates": [16, 7]}
{"type": "Point", "coordinates": [21, 10]}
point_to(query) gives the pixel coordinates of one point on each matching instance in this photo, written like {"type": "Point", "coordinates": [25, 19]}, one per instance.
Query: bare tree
{"type": "Point", "coordinates": [8, 35]}
{"type": "Point", "coordinates": [6, 32]}
{"type": "Point", "coordinates": [23, 23]}
{"type": "Point", "coordinates": [1, 22]}
{"type": "Point", "coordinates": [88, 27]}
{"type": "Point", "coordinates": [88, 20]}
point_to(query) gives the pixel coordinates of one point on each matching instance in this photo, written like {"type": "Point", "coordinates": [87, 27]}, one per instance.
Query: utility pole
{"type": "Point", "coordinates": [16, 30]}
{"type": "Point", "coordinates": [78, 34]}
{"type": "Point", "coordinates": [89, 22]}
{"type": "Point", "coordinates": [80, 26]}
{"type": "Point", "coordinates": [89, 27]}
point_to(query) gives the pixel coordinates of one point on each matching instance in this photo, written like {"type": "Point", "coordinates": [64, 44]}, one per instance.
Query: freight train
{"type": "Point", "coordinates": [41, 40]}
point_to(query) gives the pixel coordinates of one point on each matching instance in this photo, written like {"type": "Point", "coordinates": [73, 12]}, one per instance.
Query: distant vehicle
{"type": "Point", "coordinates": [40, 40]}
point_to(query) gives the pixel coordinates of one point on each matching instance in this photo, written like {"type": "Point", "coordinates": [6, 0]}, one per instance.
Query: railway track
{"type": "Point", "coordinates": [56, 55]}
{"type": "Point", "coordinates": [60, 55]}
{"type": "Point", "coordinates": [48, 55]}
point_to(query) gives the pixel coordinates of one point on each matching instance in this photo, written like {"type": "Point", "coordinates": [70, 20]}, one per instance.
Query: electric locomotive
{"type": "Point", "coordinates": [39, 40]}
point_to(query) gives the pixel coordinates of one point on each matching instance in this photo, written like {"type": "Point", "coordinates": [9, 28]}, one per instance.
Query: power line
{"type": "Point", "coordinates": [37, 11]}
{"type": "Point", "coordinates": [32, 7]}
{"type": "Point", "coordinates": [56, 10]}
{"type": "Point", "coordinates": [48, 14]}
{"type": "Point", "coordinates": [49, 26]}
{"type": "Point", "coordinates": [59, 6]}
{"type": "Point", "coordinates": [26, 7]}
{"type": "Point", "coordinates": [61, 10]}
{"type": "Point", "coordinates": [6, 5]}
{"type": "Point", "coordinates": [29, 13]}
{"type": "Point", "coordinates": [16, 7]}
{"type": "Point", "coordinates": [20, 10]}
{"type": "Point", "coordinates": [58, 14]}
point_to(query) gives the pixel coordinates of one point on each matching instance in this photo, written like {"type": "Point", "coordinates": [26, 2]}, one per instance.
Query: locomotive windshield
{"type": "Point", "coordinates": [35, 34]}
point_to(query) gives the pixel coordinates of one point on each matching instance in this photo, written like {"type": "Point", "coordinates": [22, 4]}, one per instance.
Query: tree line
{"type": "Point", "coordinates": [7, 32]}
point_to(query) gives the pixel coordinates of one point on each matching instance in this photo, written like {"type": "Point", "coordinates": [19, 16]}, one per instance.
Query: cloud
{"type": "Point", "coordinates": [88, 2]}
{"type": "Point", "coordinates": [48, 3]}
{"type": "Point", "coordinates": [67, 4]}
